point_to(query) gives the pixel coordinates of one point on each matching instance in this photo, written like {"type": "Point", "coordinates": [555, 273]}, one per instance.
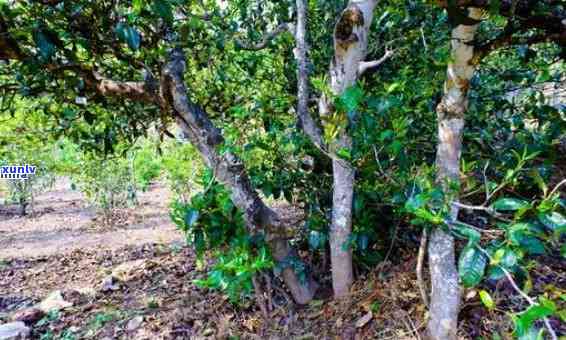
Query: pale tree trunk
{"type": "Point", "coordinates": [350, 47]}
{"type": "Point", "coordinates": [445, 296]}
{"type": "Point", "coordinates": [229, 170]}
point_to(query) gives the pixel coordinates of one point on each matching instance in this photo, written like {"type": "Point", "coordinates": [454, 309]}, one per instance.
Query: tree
{"type": "Point", "coordinates": [445, 297]}
{"type": "Point", "coordinates": [467, 52]}
{"type": "Point", "coordinates": [348, 63]}
{"type": "Point", "coordinates": [63, 48]}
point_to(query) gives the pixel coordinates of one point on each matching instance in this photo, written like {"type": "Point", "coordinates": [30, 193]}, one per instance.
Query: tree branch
{"type": "Point", "coordinates": [266, 39]}
{"type": "Point", "coordinates": [144, 91]}
{"type": "Point", "coordinates": [506, 7]}
{"type": "Point", "coordinates": [368, 65]}
{"type": "Point", "coordinates": [139, 91]}
{"type": "Point", "coordinates": [307, 123]}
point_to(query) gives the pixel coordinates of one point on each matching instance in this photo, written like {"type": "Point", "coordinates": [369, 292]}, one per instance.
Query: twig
{"type": "Point", "coordinates": [266, 39]}
{"type": "Point", "coordinates": [557, 187]}
{"type": "Point", "coordinates": [285, 295]}
{"type": "Point", "coordinates": [209, 185]}
{"type": "Point", "coordinates": [398, 336]}
{"type": "Point", "coordinates": [420, 260]}
{"type": "Point", "coordinates": [485, 180]}
{"type": "Point", "coordinates": [523, 294]}
{"type": "Point", "coordinates": [492, 231]}
{"type": "Point", "coordinates": [376, 153]}
{"type": "Point", "coordinates": [424, 40]}
{"type": "Point", "coordinates": [260, 297]}
{"type": "Point", "coordinates": [413, 328]}
{"type": "Point", "coordinates": [269, 291]}
{"type": "Point", "coordinates": [488, 210]}
{"type": "Point", "coordinates": [392, 242]}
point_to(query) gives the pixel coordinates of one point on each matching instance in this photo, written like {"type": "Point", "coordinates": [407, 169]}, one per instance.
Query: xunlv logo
{"type": "Point", "coordinates": [17, 171]}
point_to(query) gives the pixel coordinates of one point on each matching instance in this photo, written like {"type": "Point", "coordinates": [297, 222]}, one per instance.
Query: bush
{"type": "Point", "coordinates": [147, 163]}
{"type": "Point", "coordinates": [108, 184]}
{"type": "Point", "coordinates": [23, 192]}
{"type": "Point", "coordinates": [211, 222]}
{"type": "Point", "coordinates": [182, 166]}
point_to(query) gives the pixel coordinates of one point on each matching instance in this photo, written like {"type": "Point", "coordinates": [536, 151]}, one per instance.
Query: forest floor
{"type": "Point", "coordinates": [134, 280]}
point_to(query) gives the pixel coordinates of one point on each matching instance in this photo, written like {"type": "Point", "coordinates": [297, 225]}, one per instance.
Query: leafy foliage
{"type": "Point", "coordinates": [211, 222]}
{"type": "Point", "coordinates": [512, 160]}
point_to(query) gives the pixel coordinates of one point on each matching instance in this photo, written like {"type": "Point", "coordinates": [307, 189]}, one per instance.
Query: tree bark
{"type": "Point", "coordinates": [445, 297]}
{"type": "Point", "coordinates": [228, 169]}
{"type": "Point", "coordinates": [350, 48]}
{"type": "Point", "coordinates": [306, 121]}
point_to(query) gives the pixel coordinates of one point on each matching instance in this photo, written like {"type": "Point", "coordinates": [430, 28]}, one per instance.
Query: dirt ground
{"type": "Point", "coordinates": [64, 248]}
{"type": "Point", "coordinates": [62, 222]}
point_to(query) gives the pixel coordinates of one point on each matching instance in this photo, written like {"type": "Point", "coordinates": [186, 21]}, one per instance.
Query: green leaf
{"type": "Point", "coordinates": [526, 319]}
{"type": "Point", "coordinates": [506, 258]}
{"type": "Point", "coordinates": [520, 234]}
{"type": "Point", "coordinates": [69, 113]}
{"type": "Point", "coordinates": [494, 7]}
{"type": "Point", "coordinates": [363, 241]}
{"type": "Point", "coordinates": [395, 147]}
{"type": "Point", "coordinates": [487, 300]}
{"type": "Point", "coordinates": [387, 134]}
{"type": "Point", "coordinates": [471, 266]}
{"type": "Point", "coordinates": [553, 221]}
{"type": "Point", "coordinates": [198, 241]}
{"type": "Point", "coordinates": [392, 87]}
{"type": "Point", "coordinates": [46, 47]}
{"type": "Point", "coordinates": [344, 153]}
{"type": "Point", "coordinates": [129, 35]}
{"type": "Point", "coordinates": [164, 10]}
{"type": "Point", "coordinates": [463, 231]}
{"type": "Point", "coordinates": [351, 98]}
{"type": "Point", "coordinates": [532, 245]}
{"type": "Point", "coordinates": [547, 303]}
{"type": "Point", "coordinates": [138, 6]}
{"type": "Point", "coordinates": [316, 239]}
{"type": "Point", "coordinates": [191, 217]}
{"type": "Point", "coordinates": [509, 204]}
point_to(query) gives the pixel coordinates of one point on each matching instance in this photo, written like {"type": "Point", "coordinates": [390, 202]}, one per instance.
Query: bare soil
{"type": "Point", "coordinates": [63, 246]}
{"type": "Point", "coordinates": [62, 221]}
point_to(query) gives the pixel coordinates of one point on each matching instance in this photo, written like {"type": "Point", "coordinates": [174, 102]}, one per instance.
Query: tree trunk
{"type": "Point", "coordinates": [341, 229]}
{"type": "Point", "coordinates": [23, 207]}
{"type": "Point", "coordinates": [445, 297]}
{"type": "Point", "coordinates": [350, 47]}
{"type": "Point", "coordinates": [228, 169]}
{"type": "Point", "coordinates": [306, 122]}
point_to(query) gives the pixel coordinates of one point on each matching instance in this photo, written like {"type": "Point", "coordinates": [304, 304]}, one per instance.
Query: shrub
{"type": "Point", "coordinates": [182, 166]}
